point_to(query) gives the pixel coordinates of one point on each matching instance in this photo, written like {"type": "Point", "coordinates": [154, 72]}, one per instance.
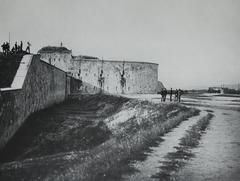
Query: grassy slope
{"type": "Point", "coordinates": [135, 135]}
{"type": "Point", "coordinates": [70, 126]}
{"type": "Point", "coordinates": [127, 137]}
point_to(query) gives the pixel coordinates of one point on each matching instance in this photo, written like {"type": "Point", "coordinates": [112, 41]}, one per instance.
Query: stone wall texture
{"type": "Point", "coordinates": [140, 77]}
{"type": "Point", "coordinates": [60, 60]}
{"type": "Point", "coordinates": [44, 86]}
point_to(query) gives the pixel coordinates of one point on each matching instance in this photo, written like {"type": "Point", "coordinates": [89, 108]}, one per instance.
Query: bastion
{"type": "Point", "coordinates": [109, 76]}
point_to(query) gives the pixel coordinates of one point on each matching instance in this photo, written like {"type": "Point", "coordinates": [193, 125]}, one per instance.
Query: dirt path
{"type": "Point", "coordinates": [147, 168]}
{"type": "Point", "coordinates": [218, 155]}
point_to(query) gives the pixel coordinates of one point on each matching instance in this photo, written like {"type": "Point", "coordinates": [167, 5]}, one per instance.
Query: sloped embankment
{"type": "Point", "coordinates": [128, 126]}
{"type": "Point", "coordinates": [72, 125]}
{"type": "Point", "coordinates": [134, 128]}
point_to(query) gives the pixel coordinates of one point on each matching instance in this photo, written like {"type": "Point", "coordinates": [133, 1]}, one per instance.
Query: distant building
{"type": "Point", "coordinates": [215, 90]}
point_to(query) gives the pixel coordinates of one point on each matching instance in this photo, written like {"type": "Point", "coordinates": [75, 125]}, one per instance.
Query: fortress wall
{"type": "Point", "coordinates": [60, 60]}
{"type": "Point", "coordinates": [44, 86]}
{"type": "Point", "coordinates": [140, 77]}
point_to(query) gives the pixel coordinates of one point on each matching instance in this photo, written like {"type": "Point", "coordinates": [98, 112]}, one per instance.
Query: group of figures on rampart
{"type": "Point", "coordinates": [15, 49]}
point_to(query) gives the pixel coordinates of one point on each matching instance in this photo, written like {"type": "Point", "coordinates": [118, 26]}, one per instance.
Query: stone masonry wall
{"type": "Point", "coordinates": [44, 86]}
{"type": "Point", "coordinates": [58, 59]}
{"type": "Point", "coordinates": [140, 77]}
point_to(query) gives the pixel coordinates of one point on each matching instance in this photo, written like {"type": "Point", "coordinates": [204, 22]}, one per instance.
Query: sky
{"type": "Point", "coordinates": [195, 42]}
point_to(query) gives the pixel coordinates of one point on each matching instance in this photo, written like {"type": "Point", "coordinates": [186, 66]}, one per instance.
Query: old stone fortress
{"type": "Point", "coordinates": [32, 82]}
{"type": "Point", "coordinates": [116, 77]}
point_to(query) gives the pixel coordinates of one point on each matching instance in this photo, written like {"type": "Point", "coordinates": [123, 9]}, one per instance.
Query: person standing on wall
{"type": "Point", "coordinates": [21, 46]}
{"type": "Point", "coordinates": [28, 47]}
{"type": "Point", "coordinates": [4, 47]}
{"type": "Point", "coordinates": [7, 47]}
{"type": "Point", "coordinates": [16, 47]}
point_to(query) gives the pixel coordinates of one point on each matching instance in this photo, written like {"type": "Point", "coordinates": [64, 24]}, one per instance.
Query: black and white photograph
{"type": "Point", "coordinates": [119, 90]}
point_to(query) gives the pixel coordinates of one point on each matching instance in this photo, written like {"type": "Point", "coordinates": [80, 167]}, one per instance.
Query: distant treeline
{"type": "Point", "coordinates": [230, 91]}
{"type": "Point", "coordinates": [224, 91]}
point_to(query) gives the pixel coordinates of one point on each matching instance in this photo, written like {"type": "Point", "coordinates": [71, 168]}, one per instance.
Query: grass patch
{"type": "Point", "coordinates": [177, 159]}
{"type": "Point", "coordinates": [192, 137]}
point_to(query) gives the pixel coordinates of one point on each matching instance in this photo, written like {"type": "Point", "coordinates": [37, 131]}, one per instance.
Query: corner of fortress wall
{"type": "Point", "coordinates": [37, 85]}
{"type": "Point", "coordinates": [140, 77]}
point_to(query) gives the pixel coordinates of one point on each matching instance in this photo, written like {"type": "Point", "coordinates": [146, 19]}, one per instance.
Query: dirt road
{"type": "Point", "coordinates": [217, 157]}
{"type": "Point", "coordinates": [59, 138]}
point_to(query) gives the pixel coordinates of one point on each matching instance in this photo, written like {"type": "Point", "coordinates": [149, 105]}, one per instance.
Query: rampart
{"type": "Point", "coordinates": [37, 85]}
{"type": "Point", "coordinates": [108, 76]}
{"type": "Point", "coordinates": [117, 76]}
{"type": "Point", "coordinates": [47, 78]}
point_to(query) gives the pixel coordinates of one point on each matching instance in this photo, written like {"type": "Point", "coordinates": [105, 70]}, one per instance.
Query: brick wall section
{"type": "Point", "coordinates": [44, 86]}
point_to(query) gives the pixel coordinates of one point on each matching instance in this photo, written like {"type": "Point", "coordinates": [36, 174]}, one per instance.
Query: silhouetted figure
{"type": "Point", "coordinates": [176, 95]}
{"type": "Point", "coordinates": [179, 95]}
{"type": "Point", "coordinates": [162, 98]}
{"type": "Point", "coordinates": [3, 47]}
{"type": "Point", "coordinates": [164, 95]}
{"type": "Point", "coordinates": [16, 47]}
{"type": "Point", "coordinates": [171, 92]}
{"type": "Point", "coordinates": [13, 50]}
{"type": "Point", "coordinates": [7, 47]}
{"type": "Point", "coordinates": [21, 46]}
{"type": "Point", "coordinates": [19, 49]}
{"type": "Point", "coordinates": [28, 47]}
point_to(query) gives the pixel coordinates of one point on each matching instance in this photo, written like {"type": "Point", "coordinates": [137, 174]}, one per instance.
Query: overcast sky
{"type": "Point", "coordinates": [195, 42]}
